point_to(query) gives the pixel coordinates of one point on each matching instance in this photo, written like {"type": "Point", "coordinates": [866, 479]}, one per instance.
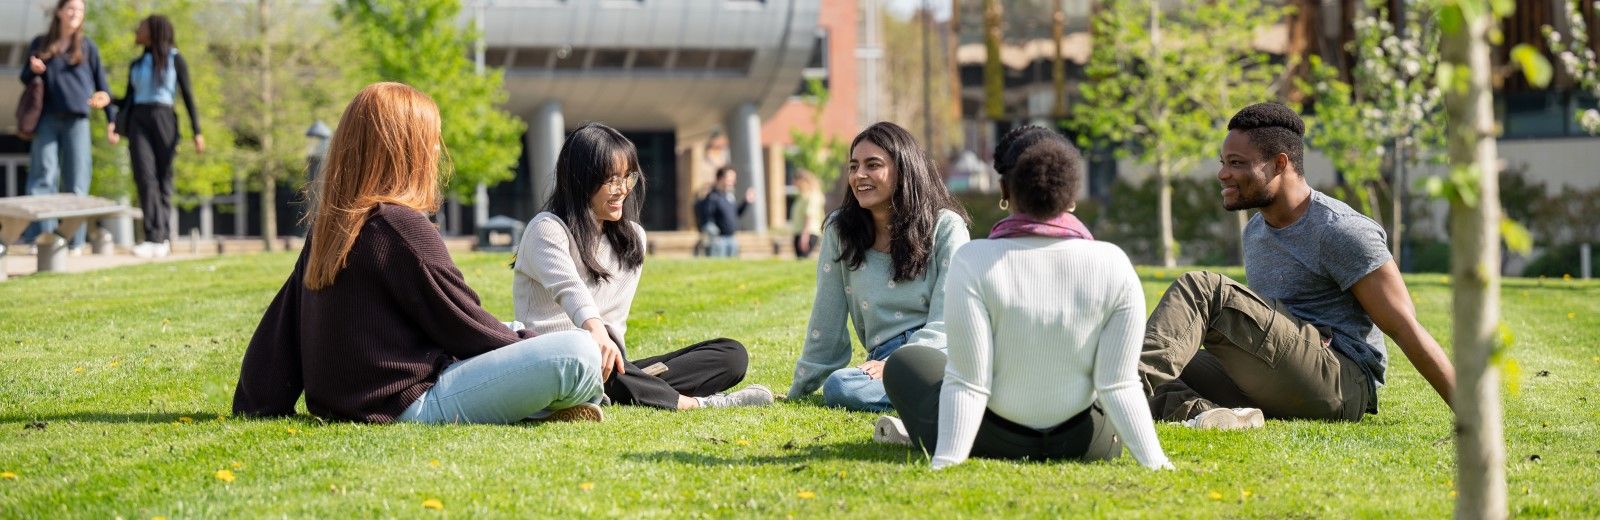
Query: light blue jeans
{"type": "Point", "coordinates": [60, 153]}
{"type": "Point", "coordinates": [852, 389]}
{"type": "Point", "coordinates": [514, 382]}
{"type": "Point", "coordinates": [724, 246]}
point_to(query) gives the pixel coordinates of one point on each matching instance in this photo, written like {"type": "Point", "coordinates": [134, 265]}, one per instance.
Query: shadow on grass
{"type": "Point", "coordinates": [865, 451]}
{"type": "Point", "coordinates": [137, 417]}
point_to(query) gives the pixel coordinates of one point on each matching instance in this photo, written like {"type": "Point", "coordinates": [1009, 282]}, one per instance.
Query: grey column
{"type": "Point", "coordinates": [122, 225]}
{"type": "Point", "coordinates": [545, 133]}
{"type": "Point", "coordinates": [744, 143]}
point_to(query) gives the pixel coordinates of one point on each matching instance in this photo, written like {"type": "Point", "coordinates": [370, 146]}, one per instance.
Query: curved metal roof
{"type": "Point", "coordinates": [649, 64]}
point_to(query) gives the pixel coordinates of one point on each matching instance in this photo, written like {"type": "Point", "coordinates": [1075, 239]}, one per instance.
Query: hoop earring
{"type": "Point", "coordinates": [1005, 205]}
{"type": "Point", "coordinates": [1072, 208]}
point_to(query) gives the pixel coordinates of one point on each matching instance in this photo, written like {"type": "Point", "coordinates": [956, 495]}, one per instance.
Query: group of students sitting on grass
{"type": "Point", "coordinates": [1030, 344]}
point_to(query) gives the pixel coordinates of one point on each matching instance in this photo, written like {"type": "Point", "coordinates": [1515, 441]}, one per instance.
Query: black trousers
{"type": "Point", "coordinates": [697, 370]}
{"type": "Point", "coordinates": [811, 245]}
{"type": "Point", "coordinates": [913, 376]}
{"type": "Point", "coordinates": [152, 142]}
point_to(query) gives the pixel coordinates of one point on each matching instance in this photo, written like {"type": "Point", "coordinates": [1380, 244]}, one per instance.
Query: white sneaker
{"type": "Point", "coordinates": [889, 430]}
{"type": "Point", "coordinates": [753, 395]}
{"type": "Point", "coordinates": [152, 250]}
{"type": "Point", "coordinates": [1227, 419]}
{"type": "Point", "coordinates": [75, 251]}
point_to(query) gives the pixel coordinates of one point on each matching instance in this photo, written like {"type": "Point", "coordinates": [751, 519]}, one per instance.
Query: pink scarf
{"type": "Point", "coordinates": [1065, 225]}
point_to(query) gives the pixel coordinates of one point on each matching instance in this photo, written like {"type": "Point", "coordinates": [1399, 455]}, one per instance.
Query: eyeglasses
{"type": "Point", "coordinates": [624, 182]}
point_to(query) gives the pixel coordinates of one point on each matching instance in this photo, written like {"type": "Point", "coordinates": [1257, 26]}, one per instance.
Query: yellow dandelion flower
{"type": "Point", "coordinates": [1572, 315]}
{"type": "Point", "coordinates": [743, 442]}
{"type": "Point", "coordinates": [186, 419]}
{"type": "Point", "coordinates": [8, 475]}
{"type": "Point", "coordinates": [158, 518]}
{"type": "Point", "coordinates": [1566, 277]}
{"type": "Point", "coordinates": [292, 431]}
{"type": "Point", "coordinates": [1161, 274]}
{"type": "Point", "coordinates": [841, 474]}
{"type": "Point", "coordinates": [1245, 493]}
{"type": "Point", "coordinates": [237, 465]}
{"type": "Point", "coordinates": [434, 504]}
{"type": "Point", "coordinates": [806, 495]}
{"type": "Point", "coordinates": [1452, 493]}
{"type": "Point", "coordinates": [1214, 495]}
{"type": "Point", "coordinates": [224, 475]}
{"type": "Point", "coordinates": [586, 486]}
{"type": "Point", "coordinates": [77, 370]}
{"type": "Point", "coordinates": [434, 463]}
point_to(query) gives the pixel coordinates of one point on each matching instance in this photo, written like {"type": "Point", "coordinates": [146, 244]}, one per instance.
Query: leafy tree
{"type": "Point", "coordinates": [286, 63]}
{"type": "Point", "coordinates": [420, 43]}
{"type": "Point", "coordinates": [821, 154]}
{"type": "Point", "coordinates": [1389, 119]}
{"type": "Point", "coordinates": [1577, 58]}
{"type": "Point", "coordinates": [1160, 88]}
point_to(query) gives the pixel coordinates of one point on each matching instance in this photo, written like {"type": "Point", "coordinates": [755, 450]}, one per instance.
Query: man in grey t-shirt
{"type": "Point", "coordinates": [1305, 338]}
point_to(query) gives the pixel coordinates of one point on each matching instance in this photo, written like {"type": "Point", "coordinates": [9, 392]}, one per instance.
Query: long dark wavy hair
{"type": "Point", "coordinates": [914, 210]}
{"type": "Point", "coordinates": [586, 162]}
{"type": "Point", "coordinates": [159, 30]}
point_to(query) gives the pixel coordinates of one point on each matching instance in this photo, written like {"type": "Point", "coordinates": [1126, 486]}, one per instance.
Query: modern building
{"type": "Point", "coordinates": [696, 84]}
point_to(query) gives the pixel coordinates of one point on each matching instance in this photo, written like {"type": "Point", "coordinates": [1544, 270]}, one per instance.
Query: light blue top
{"type": "Point", "coordinates": [145, 87]}
{"type": "Point", "coordinates": [878, 307]}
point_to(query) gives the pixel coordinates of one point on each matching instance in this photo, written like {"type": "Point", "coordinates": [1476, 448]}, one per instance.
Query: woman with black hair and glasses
{"type": "Point", "coordinates": [578, 266]}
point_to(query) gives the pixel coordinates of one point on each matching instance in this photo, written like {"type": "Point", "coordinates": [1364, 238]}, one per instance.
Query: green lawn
{"type": "Point", "coordinates": [115, 388]}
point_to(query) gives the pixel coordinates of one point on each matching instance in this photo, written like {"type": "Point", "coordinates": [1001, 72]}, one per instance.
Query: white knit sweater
{"type": "Point", "coordinates": [1039, 328]}
{"type": "Point", "coordinates": [551, 290]}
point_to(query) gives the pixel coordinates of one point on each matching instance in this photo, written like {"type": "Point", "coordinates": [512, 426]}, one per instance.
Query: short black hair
{"type": "Point", "coordinates": [1273, 128]}
{"type": "Point", "coordinates": [723, 171]}
{"type": "Point", "coordinates": [1040, 169]}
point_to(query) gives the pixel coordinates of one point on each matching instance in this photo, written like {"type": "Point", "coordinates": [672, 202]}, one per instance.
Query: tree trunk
{"type": "Point", "coordinates": [993, 75]}
{"type": "Point", "coordinates": [1397, 202]}
{"type": "Point", "coordinates": [1168, 245]}
{"type": "Point", "coordinates": [269, 178]}
{"type": "Point", "coordinates": [1475, 272]}
{"type": "Point", "coordinates": [1169, 253]}
{"type": "Point", "coordinates": [952, 63]}
{"type": "Point", "coordinates": [1058, 63]}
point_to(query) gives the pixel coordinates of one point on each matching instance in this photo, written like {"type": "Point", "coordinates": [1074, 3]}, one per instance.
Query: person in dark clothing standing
{"type": "Point", "coordinates": [68, 65]}
{"type": "Point", "coordinates": [376, 324]}
{"type": "Point", "coordinates": [722, 212]}
{"type": "Point", "coordinates": [151, 125]}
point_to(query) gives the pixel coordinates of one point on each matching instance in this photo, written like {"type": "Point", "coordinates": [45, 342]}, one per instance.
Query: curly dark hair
{"type": "Point", "coordinates": [1273, 129]}
{"type": "Point", "coordinates": [1039, 169]}
{"type": "Point", "coordinates": [915, 208]}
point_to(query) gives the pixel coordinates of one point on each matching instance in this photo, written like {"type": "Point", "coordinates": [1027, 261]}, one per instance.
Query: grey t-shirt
{"type": "Point", "coordinates": [1311, 265]}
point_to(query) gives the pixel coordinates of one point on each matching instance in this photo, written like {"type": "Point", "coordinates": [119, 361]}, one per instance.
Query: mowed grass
{"type": "Point", "coordinates": [115, 389]}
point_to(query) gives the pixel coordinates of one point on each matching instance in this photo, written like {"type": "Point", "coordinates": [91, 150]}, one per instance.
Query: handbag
{"type": "Point", "coordinates": [30, 108]}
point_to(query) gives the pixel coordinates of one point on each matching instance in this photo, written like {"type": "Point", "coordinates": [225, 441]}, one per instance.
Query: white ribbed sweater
{"type": "Point", "coordinates": [551, 291]}
{"type": "Point", "coordinates": [1038, 329]}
